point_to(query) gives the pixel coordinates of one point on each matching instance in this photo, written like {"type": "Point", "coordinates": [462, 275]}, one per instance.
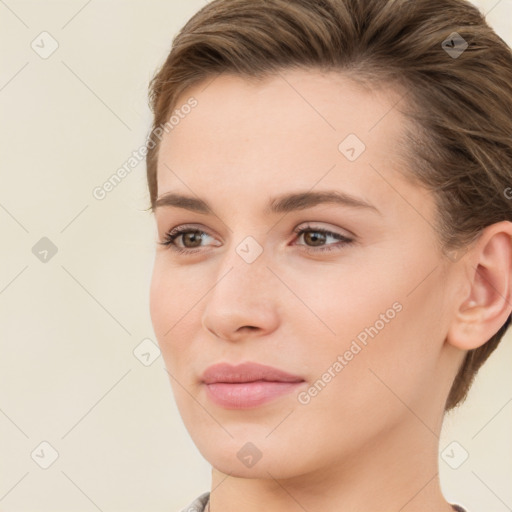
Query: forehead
{"type": "Point", "coordinates": [292, 128]}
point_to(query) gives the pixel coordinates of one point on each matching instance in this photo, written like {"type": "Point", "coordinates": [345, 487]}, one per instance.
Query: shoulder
{"type": "Point", "coordinates": [198, 505]}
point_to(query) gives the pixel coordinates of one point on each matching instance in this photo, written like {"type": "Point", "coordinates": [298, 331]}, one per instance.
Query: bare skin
{"type": "Point", "coordinates": [368, 441]}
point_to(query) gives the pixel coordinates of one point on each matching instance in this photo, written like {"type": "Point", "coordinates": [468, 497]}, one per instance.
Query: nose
{"type": "Point", "coordinates": [244, 300]}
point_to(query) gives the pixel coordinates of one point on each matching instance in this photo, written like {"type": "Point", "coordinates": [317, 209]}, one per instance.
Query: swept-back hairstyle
{"type": "Point", "coordinates": [456, 94]}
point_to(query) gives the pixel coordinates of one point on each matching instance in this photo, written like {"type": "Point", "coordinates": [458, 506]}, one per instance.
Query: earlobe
{"type": "Point", "coordinates": [488, 304]}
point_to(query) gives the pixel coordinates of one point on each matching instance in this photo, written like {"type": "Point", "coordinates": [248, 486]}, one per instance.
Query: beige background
{"type": "Point", "coordinates": [70, 325]}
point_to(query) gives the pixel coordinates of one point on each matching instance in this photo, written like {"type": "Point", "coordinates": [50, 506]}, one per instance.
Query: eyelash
{"type": "Point", "coordinates": [171, 236]}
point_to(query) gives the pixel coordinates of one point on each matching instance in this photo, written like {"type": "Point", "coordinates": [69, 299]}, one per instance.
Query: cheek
{"type": "Point", "coordinates": [342, 299]}
{"type": "Point", "coordinates": [172, 293]}
{"type": "Point", "coordinates": [159, 300]}
{"type": "Point", "coordinates": [378, 320]}
{"type": "Point", "coordinates": [166, 308]}
{"type": "Point", "coordinates": [174, 303]}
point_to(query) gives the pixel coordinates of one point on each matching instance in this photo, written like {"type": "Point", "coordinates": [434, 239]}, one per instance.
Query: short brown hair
{"type": "Point", "coordinates": [459, 102]}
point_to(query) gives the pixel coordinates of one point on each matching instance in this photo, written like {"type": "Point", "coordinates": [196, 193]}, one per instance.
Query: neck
{"type": "Point", "coordinates": [396, 471]}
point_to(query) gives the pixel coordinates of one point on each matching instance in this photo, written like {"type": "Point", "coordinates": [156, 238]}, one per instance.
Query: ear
{"type": "Point", "coordinates": [487, 300]}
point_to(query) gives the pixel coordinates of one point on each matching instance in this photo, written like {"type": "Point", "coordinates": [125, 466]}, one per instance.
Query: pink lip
{"type": "Point", "coordinates": [247, 385]}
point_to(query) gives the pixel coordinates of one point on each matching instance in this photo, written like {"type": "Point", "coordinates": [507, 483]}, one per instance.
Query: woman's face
{"type": "Point", "coordinates": [362, 312]}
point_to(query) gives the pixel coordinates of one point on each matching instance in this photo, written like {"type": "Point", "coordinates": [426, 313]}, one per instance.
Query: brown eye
{"type": "Point", "coordinates": [193, 238]}
{"type": "Point", "coordinates": [190, 239]}
{"type": "Point", "coordinates": [315, 239]}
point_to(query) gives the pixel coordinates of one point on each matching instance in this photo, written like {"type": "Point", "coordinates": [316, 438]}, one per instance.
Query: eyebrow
{"type": "Point", "coordinates": [281, 204]}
